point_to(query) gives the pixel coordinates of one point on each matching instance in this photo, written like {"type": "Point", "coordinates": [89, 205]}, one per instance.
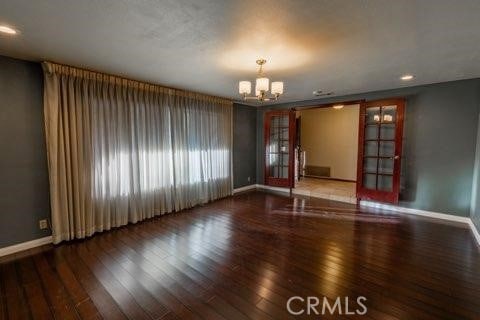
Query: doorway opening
{"type": "Point", "coordinates": [326, 152]}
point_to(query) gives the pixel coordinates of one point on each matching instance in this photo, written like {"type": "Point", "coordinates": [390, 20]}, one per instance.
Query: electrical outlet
{"type": "Point", "coordinates": [248, 179]}
{"type": "Point", "coordinates": [43, 224]}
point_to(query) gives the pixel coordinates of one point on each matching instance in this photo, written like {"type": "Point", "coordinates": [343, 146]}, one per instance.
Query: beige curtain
{"type": "Point", "coordinates": [121, 151]}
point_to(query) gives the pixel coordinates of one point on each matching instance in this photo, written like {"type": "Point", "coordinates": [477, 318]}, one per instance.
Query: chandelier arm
{"type": "Point", "coordinates": [264, 97]}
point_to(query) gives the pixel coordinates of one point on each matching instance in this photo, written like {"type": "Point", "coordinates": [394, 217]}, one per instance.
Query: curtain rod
{"type": "Point", "coordinates": [49, 65]}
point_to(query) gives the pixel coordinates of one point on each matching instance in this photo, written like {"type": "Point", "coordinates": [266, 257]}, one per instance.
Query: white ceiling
{"type": "Point", "coordinates": [345, 46]}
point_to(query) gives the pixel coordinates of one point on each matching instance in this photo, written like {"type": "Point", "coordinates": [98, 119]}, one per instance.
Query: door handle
{"type": "Point", "coordinates": [395, 158]}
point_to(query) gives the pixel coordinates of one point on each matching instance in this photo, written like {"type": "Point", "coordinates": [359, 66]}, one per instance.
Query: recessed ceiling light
{"type": "Point", "coordinates": [338, 106]}
{"type": "Point", "coordinates": [7, 30]}
{"type": "Point", "coordinates": [406, 77]}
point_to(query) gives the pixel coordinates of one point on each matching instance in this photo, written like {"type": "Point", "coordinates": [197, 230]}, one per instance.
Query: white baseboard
{"type": "Point", "coordinates": [245, 188]}
{"type": "Point", "coordinates": [25, 246]}
{"type": "Point", "coordinates": [474, 231]}
{"type": "Point", "coordinates": [418, 212]}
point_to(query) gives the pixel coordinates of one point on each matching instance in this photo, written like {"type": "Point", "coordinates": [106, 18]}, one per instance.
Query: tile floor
{"type": "Point", "coordinates": [327, 189]}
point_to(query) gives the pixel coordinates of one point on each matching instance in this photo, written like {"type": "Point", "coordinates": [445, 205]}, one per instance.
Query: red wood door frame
{"type": "Point", "coordinates": [269, 180]}
{"type": "Point", "coordinates": [364, 193]}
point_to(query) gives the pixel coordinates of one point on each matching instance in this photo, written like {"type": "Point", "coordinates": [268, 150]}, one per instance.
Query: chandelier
{"type": "Point", "coordinates": [261, 86]}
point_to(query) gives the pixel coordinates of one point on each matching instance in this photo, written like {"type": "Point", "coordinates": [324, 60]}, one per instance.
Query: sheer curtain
{"type": "Point", "coordinates": [121, 151]}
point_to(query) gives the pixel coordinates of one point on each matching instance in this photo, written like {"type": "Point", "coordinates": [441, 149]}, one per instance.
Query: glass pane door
{"type": "Point", "coordinates": [278, 147]}
{"type": "Point", "coordinates": [379, 157]}
{"type": "Point", "coordinates": [278, 144]}
{"type": "Point", "coordinates": [379, 146]}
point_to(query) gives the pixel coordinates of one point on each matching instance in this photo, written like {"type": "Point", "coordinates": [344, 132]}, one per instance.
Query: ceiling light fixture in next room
{"type": "Point", "coordinates": [406, 77]}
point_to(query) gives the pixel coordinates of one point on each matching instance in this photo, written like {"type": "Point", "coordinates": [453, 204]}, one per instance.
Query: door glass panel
{"type": "Point", "coordinates": [283, 121]}
{"type": "Point", "coordinates": [372, 115]}
{"type": "Point", "coordinates": [274, 122]}
{"type": "Point", "coordinates": [385, 183]}
{"type": "Point", "coordinates": [387, 148]}
{"type": "Point", "coordinates": [273, 159]}
{"type": "Point", "coordinates": [389, 114]}
{"type": "Point", "coordinates": [278, 156]}
{"type": "Point", "coordinates": [385, 166]}
{"type": "Point", "coordinates": [370, 181]}
{"type": "Point", "coordinates": [387, 131]}
{"type": "Point", "coordinates": [274, 147]}
{"type": "Point", "coordinates": [284, 172]}
{"type": "Point", "coordinates": [371, 132]}
{"type": "Point", "coordinates": [274, 172]}
{"type": "Point", "coordinates": [371, 148]}
{"type": "Point", "coordinates": [370, 165]}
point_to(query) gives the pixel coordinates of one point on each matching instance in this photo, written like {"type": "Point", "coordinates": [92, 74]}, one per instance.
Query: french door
{"type": "Point", "coordinates": [279, 144]}
{"type": "Point", "coordinates": [380, 150]}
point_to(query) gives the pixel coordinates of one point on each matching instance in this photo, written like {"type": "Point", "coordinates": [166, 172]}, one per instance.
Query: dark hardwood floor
{"type": "Point", "coordinates": [243, 257]}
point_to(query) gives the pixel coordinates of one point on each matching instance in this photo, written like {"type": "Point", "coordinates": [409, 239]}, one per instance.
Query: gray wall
{"type": "Point", "coordinates": [439, 143]}
{"type": "Point", "coordinates": [475, 204]}
{"type": "Point", "coordinates": [244, 145]}
{"type": "Point", "coordinates": [24, 197]}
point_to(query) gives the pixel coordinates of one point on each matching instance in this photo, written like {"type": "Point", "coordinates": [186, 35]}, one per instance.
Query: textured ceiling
{"type": "Point", "coordinates": [345, 46]}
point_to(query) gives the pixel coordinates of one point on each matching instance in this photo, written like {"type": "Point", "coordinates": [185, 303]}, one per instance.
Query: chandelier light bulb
{"type": "Point", "coordinates": [262, 84]}
{"type": "Point", "coordinates": [277, 87]}
{"type": "Point", "coordinates": [244, 87]}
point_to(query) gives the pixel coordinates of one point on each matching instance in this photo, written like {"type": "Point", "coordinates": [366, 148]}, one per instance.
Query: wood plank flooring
{"type": "Point", "coordinates": [243, 257]}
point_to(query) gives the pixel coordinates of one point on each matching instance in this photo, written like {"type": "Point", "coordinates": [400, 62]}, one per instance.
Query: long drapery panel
{"type": "Point", "coordinates": [121, 151]}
